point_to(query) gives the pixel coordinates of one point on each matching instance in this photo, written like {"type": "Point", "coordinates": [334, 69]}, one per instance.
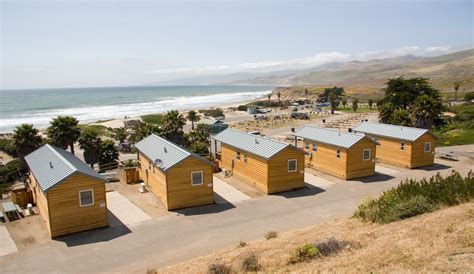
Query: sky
{"type": "Point", "coordinates": [53, 44]}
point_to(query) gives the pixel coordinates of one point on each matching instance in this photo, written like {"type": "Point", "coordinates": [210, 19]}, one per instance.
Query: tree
{"type": "Point", "coordinates": [269, 96]}
{"type": "Point", "coordinates": [193, 117]}
{"type": "Point", "coordinates": [90, 142]}
{"type": "Point", "coordinates": [424, 108]}
{"type": "Point", "coordinates": [337, 103]}
{"type": "Point", "coordinates": [173, 127]}
{"type": "Point", "coordinates": [330, 95]}
{"type": "Point", "coordinates": [370, 102]}
{"type": "Point", "coordinates": [109, 155]}
{"type": "Point", "coordinates": [456, 88]}
{"type": "Point", "coordinates": [26, 140]}
{"type": "Point", "coordinates": [355, 104]}
{"type": "Point", "coordinates": [279, 96]}
{"type": "Point", "coordinates": [344, 102]}
{"type": "Point", "coordinates": [401, 118]}
{"type": "Point", "coordinates": [120, 134]}
{"type": "Point", "coordinates": [63, 132]}
{"type": "Point", "coordinates": [402, 95]}
{"type": "Point", "coordinates": [306, 92]}
{"type": "Point", "coordinates": [469, 96]}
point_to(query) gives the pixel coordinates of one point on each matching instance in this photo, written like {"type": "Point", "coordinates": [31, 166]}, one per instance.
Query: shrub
{"type": "Point", "coordinates": [7, 146]}
{"type": "Point", "coordinates": [212, 112]}
{"type": "Point", "coordinates": [242, 108]}
{"type": "Point", "coordinates": [12, 171]}
{"type": "Point", "coordinates": [219, 267]}
{"type": "Point", "coordinates": [250, 262]}
{"type": "Point", "coordinates": [242, 244]}
{"type": "Point", "coordinates": [330, 246]}
{"type": "Point", "coordinates": [303, 253]}
{"type": "Point", "coordinates": [155, 119]}
{"type": "Point", "coordinates": [469, 96]}
{"type": "Point", "coordinates": [413, 197]}
{"type": "Point", "coordinates": [271, 235]}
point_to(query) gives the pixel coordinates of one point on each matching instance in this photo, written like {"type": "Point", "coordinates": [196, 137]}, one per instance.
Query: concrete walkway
{"type": "Point", "coordinates": [227, 193]}
{"type": "Point", "coordinates": [316, 181]}
{"type": "Point", "coordinates": [385, 170]}
{"type": "Point", "coordinates": [7, 246]}
{"type": "Point", "coordinates": [126, 212]}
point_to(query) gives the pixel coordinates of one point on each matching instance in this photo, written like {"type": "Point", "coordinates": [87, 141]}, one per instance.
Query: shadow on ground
{"type": "Point", "coordinates": [207, 209]}
{"type": "Point", "coordinates": [116, 229]}
{"type": "Point", "coordinates": [434, 167]}
{"type": "Point", "coordinates": [307, 190]}
{"type": "Point", "coordinates": [378, 177]}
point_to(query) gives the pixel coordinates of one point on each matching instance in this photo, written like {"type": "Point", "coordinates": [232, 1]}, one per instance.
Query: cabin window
{"type": "Point", "coordinates": [338, 154]}
{"type": "Point", "coordinates": [315, 147]}
{"type": "Point", "coordinates": [427, 147]}
{"type": "Point", "coordinates": [307, 145]}
{"type": "Point", "coordinates": [402, 146]}
{"type": "Point", "coordinates": [292, 165]}
{"type": "Point", "coordinates": [196, 178]}
{"type": "Point", "coordinates": [245, 158]}
{"type": "Point", "coordinates": [86, 197]}
{"type": "Point", "coordinates": [237, 156]}
{"type": "Point", "coordinates": [366, 155]}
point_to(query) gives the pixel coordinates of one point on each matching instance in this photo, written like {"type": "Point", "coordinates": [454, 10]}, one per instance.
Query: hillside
{"type": "Point", "coordinates": [442, 71]}
{"type": "Point", "coordinates": [442, 241]}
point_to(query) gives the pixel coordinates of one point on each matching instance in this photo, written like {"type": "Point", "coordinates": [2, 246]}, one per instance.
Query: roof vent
{"type": "Point", "coordinates": [51, 164]}
{"type": "Point", "coordinates": [256, 141]}
{"type": "Point", "coordinates": [164, 148]}
{"type": "Point", "coordinates": [349, 129]}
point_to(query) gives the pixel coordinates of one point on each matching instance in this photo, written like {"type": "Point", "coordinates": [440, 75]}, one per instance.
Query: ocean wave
{"type": "Point", "coordinates": [89, 114]}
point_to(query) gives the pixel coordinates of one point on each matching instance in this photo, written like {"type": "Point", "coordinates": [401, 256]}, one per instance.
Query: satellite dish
{"type": "Point", "coordinates": [158, 162]}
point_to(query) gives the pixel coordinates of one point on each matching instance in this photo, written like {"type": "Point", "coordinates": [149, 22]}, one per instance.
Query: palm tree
{"type": "Point", "coordinates": [332, 101]}
{"type": "Point", "coordinates": [344, 102]}
{"type": "Point", "coordinates": [355, 104]}
{"type": "Point", "coordinates": [279, 96]}
{"type": "Point", "coordinates": [306, 92]}
{"type": "Point", "coordinates": [269, 96]}
{"type": "Point", "coordinates": [456, 87]}
{"type": "Point", "coordinates": [120, 134]}
{"type": "Point", "coordinates": [173, 124]}
{"type": "Point", "coordinates": [424, 110]}
{"type": "Point", "coordinates": [193, 117]}
{"type": "Point", "coordinates": [90, 142]}
{"type": "Point", "coordinates": [63, 132]}
{"type": "Point", "coordinates": [109, 155]}
{"type": "Point", "coordinates": [26, 140]}
{"type": "Point", "coordinates": [370, 102]}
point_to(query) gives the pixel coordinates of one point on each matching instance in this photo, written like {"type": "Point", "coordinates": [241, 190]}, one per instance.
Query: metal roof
{"type": "Point", "coordinates": [168, 153]}
{"type": "Point", "coordinates": [329, 136]}
{"type": "Point", "coordinates": [51, 165]}
{"type": "Point", "coordinates": [258, 145]}
{"type": "Point", "coordinates": [391, 131]}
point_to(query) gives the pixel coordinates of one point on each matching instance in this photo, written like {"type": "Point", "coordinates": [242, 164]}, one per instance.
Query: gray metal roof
{"type": "Point", "coordinates": [51, 165]}
{"type": "Point", "coordinates": [170, 154]}
{"type": "Point", "coordinates": [255, 144]}
{"type": "Point", "coordinates": [391, 131]}
{"type": "Point", "coordinates": [329, 136]}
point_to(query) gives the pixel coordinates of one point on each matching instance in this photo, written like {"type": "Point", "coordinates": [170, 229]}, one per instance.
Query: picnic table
{"type": "Point", "coordinates": [10, 210]}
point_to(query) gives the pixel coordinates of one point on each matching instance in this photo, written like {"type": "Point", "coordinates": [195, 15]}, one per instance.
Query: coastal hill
{"type": "Point", "coordinates": [443, 71]}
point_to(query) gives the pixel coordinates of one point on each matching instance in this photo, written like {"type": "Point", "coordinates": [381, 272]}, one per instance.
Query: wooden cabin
{"type": "Point", "coordinates": [69, 194]}
{"type": "Point", "coordinates": [179, 178]}
{"type": "Point", "coordinates": [269, 165]}
{"type": "Point", "coordinates": [342, 154]}
{"type": "Point", "coordinates": [401, 146]}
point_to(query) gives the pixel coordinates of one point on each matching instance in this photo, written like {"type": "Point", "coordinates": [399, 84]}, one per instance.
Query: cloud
{"type": "Point", "coordinates": [300, 63]}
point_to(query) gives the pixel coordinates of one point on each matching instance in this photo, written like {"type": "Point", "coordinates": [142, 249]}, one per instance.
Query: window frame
{"type": "Point", "coordinates": [338, 154]}
{"type": "Point", "coordinates": [245, 159]}
{"type": "Point", "coordinates": [80, 199]}
{"type": "Point", "coordinates": [192, 178]}
{"type": "Point", "coordinates": [296, 165]}
{"type": "Point", "coordinates": [315, 148]}
{"type": "Point", "coordinates": [424, 147]}
{"type": "Point", "coordinates": [306, 145]}
{"type": "Point", "coordinates": [237, 155]}
{"type": "Point", "coordinates": [363, 154]}
{"type": "Point", "coordinates": [402, 146]}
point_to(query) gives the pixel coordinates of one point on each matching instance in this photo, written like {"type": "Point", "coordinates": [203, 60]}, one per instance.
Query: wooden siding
{"type": "Point", "coordinates": [254, 172]}
{"type": "Point", "coordinates": [66, 214]}
{"type": "Point", "coordinates": [419, 157]}
{"type": "Point", "coordinates": [155, 180]}
{"type": "Point", "coordinates": [325, 160]}
{"type": "Point", "coordinates": [40, 200]}
{"type": "Point", "coordinates": [356, 166]}
{"type": "Point", "coordinates": [279, 179]}
{"type": "Point", "coordinates": [389, 152]}
{"type": "Point", "coordinates": [180, 191]}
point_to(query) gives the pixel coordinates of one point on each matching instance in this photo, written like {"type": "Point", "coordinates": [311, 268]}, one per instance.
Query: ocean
{"type": "Point", "coordinates": [38, 107]}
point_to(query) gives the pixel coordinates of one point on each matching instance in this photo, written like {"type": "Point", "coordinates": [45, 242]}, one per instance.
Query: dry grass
{"type": "Point", "coordinates": [439, 241]}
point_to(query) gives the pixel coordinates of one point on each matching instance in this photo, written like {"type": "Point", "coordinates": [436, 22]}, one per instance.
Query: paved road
{"type": "Point", "coordinates": [199, 231]}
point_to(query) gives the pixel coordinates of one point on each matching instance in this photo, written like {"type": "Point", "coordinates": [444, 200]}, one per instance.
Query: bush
{"type": "Point", "coordinates": [469, 96]}
{"type": "Point", "coordinates": [12, 171]}
{"type": "Point", "coordinates": [250, 262]}
{"type": "Point", "coordinates": [219, 267]}
{"type": "Point", "coordinates": [413, 197]}
{"type": "Point", "coordinates": [330, 246]}
{"type": "Point", "coordinates": [155, 119]}
{"type": "Point", "coordinates": [212, 112]}
{"type": "Point", "coordinates": [271, 235]}
{"type": "Point", "coordinates": [7, 146]}
{"type": "Point", "coordinates": [242, 108]}
{"type": "Point", "coordinates": [303, 253]}
{"type": "Point", "coordinates": [242, 244]}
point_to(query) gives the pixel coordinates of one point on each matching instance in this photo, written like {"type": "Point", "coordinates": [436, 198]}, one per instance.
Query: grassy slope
{"type": "Point", "coordinates": [439, 241]}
